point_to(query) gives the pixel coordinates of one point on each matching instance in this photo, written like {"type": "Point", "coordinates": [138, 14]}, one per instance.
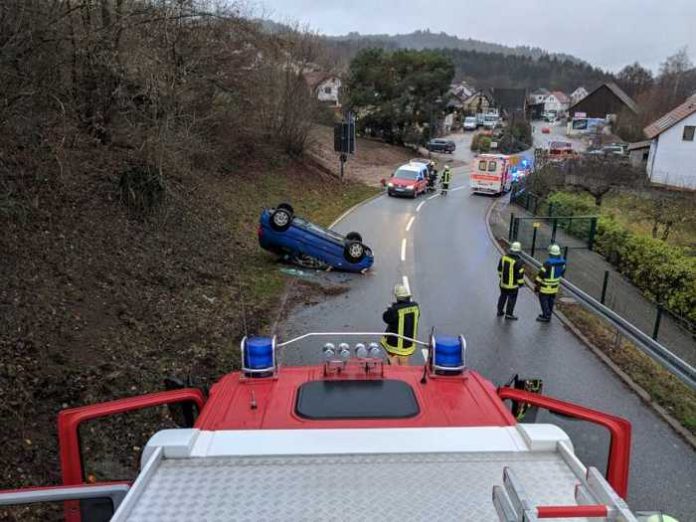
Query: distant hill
{"type": "Point", "coordinates": [429, 40]}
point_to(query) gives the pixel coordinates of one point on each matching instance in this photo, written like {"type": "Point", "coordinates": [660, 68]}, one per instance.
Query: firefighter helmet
{"type": "Point", "coordinates": [401, 292]}
{"type": "Point", "coordinates": [516, 246]}
{"type": "Point", "coordinates": [554, 249]}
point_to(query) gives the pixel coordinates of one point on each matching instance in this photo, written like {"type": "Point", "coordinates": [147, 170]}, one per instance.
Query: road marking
{"type": "Point", "coordinates": [424, 351]}
{"type": "Point", "coordinates": [432, 197]}
{"type": "Point", "coordinates": [410, 222]}
{"type": "Point", "coordinates": [420, 206]}
{"type": "Point", "coordinates": [458, 188]}
{"type": "Point", "coordinates": [406, 285]}
{"type": "Point", "coordinates": [403, 249]}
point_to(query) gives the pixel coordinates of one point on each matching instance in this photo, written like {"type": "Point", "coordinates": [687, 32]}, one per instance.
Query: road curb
{"type": "Point", "coordinates": [634, 386]}
{"type": "Point", "coordinates": [354, 208]}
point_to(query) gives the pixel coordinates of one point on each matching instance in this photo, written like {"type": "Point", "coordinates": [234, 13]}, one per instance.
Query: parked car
{"type": "Point", "coordinates": [545, 130]}
{"type": "Point", "coordinates": [309, 245]}
{"type": "Point", "coordinates": [408, 180]}
{"type": "Point", "coordinates": [491, 121]}
{"type": "Point", "coordinates": [470, 123]}
{"type": "Point", "coordinates": [439, 145]}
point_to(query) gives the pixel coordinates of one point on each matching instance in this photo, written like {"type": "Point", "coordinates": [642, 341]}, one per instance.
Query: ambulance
{"type": "Point", "coordinates": [495, 173]}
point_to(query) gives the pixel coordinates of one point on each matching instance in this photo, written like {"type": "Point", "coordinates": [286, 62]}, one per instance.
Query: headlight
{"type": "Point", "coordinates": [375, 351]}
{"type": "Point", "coordinates": [329, 351]}
{"type": "Point", "coordinates": [344, 351]}
{"type": "Point", "coordinates": [390, 185]}
{"type": "Point", "coordinates": [410, 187]}
{"type": "Point", "coordinates": [360, 351]}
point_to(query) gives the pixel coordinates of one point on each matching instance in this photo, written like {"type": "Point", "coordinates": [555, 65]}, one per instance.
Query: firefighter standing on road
{"type": "Point", "coordinates": [446, 178]}
{"type": "Point", "coordinates": [510, 278]}
{"type": "Point", "coordinates": [402, 319]}
{"type": "Point", "coordinates": [548, 280]}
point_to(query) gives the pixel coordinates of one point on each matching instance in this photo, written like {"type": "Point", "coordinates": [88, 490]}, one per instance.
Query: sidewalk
{"type": "Point", "coordinates": [586, 269]}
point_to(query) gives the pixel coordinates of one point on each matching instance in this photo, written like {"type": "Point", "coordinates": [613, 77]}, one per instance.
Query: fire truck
{"type": "Point", "coordinates": [495, 173]}
{"type": "Point", "coordinates": [351, 438]}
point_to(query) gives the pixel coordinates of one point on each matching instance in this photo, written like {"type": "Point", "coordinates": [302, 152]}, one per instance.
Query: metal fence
{"type": "Point", "coordinates": [594, 275]}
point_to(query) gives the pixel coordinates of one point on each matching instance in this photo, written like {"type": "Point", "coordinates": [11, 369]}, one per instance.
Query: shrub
{"type": "Point", "coordinates": [662, 272]}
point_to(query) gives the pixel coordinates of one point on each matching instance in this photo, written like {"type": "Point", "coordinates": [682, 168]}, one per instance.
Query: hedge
{"type": "Point", "coordinates": [661, 271]}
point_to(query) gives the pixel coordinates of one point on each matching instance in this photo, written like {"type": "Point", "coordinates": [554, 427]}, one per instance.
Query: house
{"type": "Point", "coordinates": [577, 95]}
{"type": "Point", "coordinates": [538, 96]}
{"type": "Point", "coordinates": [557, 103]}
{"type": "Point", "coordinates": [535, 103]}
{"type": "Point", "coordinates": [607, 99]}
{"type": "Point", "coordinates": [478, 102]}
{"type": "Point", "coordinates": [672, 157]}
{"type": "Point", "coordinates": [511, 102]}
{"type": "Point", "coordinates": [326, 87]}
{"type": "Point", "coordinates": [638, 153]}
{"type": "Point", "coordinates": [462, 90]}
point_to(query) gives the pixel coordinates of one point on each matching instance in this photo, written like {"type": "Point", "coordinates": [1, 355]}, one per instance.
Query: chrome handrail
{"type": "Point", "coordinates": [349, 334]}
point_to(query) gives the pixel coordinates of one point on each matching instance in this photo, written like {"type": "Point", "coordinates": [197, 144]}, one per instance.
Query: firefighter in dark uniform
{"type": "Point", "coordinates": [510, 278]}
{"type": "Point", "coordinates": [402, 319]}
{"type": "Point", "coordinates": [548, 281]}
{"type": "Point", "coordinates": [446, 178]}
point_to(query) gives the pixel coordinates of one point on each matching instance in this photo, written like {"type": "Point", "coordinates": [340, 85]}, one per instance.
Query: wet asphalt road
{"type": "Point", "coordinates": [450, 264]}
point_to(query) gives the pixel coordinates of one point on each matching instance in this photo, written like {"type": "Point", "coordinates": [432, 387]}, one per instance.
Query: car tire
{"type": "Point", "coordinates": [281, 219]}
{"type": "Point", "coordinates": [286, 206]}
{"type": "Point", "coordinates": [354, 236]}
{"type": "Point", "coordinates": [354, 251]}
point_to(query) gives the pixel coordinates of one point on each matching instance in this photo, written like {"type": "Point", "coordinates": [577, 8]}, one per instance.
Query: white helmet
{"type": "Point", "coordinates": [516, 246]}
{"type": "Point", "coordinates": [401, 292]}
{"type": "Point", "coordinates": [554, 249]}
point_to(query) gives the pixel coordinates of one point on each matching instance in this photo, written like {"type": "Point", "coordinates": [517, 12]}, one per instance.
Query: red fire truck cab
{"type": "Point", "coordinates": [352, 438]}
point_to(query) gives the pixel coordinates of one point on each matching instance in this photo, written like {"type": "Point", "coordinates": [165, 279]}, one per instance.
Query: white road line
{"type": "Point", "coordinates": [433, 196]}
{"type": "Point", "coordinates": [420, 206]}
{"type": "Point", "coordinates": [403, 249]}
{"type": "Point", "coordinates": [458, 188]}
{"type": "Point", "coordinates": [406, 285]}
{"type": "Point", "coordinates": [424, 351]}
{"type": "Point", "coordinates": [410, 222]}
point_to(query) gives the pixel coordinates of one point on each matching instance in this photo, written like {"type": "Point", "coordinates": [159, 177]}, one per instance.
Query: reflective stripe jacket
{"type": "Point", "coordinates": [401, 318]}
{"type": "Point", "coordinates": [549, 277]}
{"type": "Point", "coordinates": [510, 272]}
{"type": "Point", "coordinates": [446, 176]}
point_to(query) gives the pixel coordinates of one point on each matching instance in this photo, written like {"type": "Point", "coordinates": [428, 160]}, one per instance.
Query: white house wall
{"type": "Point", "coordinates": [672, 161]}
{"type": "Point", "coordinates": [334, 84]}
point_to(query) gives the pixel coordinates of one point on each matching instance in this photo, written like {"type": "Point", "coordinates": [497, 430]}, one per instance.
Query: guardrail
{"type": "Point", "coordinates": [652, 348]}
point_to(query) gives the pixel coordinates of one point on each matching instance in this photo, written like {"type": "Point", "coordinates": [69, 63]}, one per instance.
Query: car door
{"type": "Point", "coordinates": [422, 180]}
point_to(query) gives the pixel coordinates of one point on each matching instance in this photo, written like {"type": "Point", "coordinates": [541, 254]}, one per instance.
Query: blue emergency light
{"type": "Point", "coordinates": [448, 354]}
{"type": "Point", "coordinates": [258, 356]}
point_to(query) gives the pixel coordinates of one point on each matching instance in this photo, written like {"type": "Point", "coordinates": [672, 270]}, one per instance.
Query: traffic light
{"type": "Point", "coordinates": [344, 137]}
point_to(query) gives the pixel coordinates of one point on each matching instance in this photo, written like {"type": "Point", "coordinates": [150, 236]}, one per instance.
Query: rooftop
{"type": "Point", "coordinates": [671, 118]}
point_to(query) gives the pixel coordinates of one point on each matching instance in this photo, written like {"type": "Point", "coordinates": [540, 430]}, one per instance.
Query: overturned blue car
{"type": "Point", "coordinates": [311, 246]}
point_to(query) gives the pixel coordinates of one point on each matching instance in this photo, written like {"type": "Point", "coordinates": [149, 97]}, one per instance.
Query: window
{"type": "Point", "coordinates": [491, 166]}
{"type": "Point", "coordinates": [689, 131]}
{"type": "Point", "coordinates": [482, 165]}
{"type": "Point", "coordinates": [327, 90]}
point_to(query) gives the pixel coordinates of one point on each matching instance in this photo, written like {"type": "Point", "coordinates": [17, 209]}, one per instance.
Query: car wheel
{"type": "Point", "coordinates": [281, 219]}
{"type": "Point", "coordinates": [287, 207]}
{"type": "Point", "coordinates": [354, 251]}
{"type": "Point", "coordinates": [354, 236]}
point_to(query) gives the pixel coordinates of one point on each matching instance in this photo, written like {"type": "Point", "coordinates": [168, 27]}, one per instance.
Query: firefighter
{"type": "Point", "coordinates": [510, 278]}
{"type": "Point", "coordinates": [548, 280]}
{"type": "Point", "coordinates": [402, 319]}
{"type": "Point", "coordinates": [446, 178]}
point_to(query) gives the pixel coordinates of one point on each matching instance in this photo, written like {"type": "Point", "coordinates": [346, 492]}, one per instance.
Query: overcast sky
{"type": "Point", "coordinates": [606, 33]}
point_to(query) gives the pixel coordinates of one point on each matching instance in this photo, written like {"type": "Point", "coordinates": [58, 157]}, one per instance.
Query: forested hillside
{"type": "Point", "coordinates": [430, 40]}
{"type": "Point", "coordinates": [484, 65]}
{"type": "Point", "coordinates": [487, 70]}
